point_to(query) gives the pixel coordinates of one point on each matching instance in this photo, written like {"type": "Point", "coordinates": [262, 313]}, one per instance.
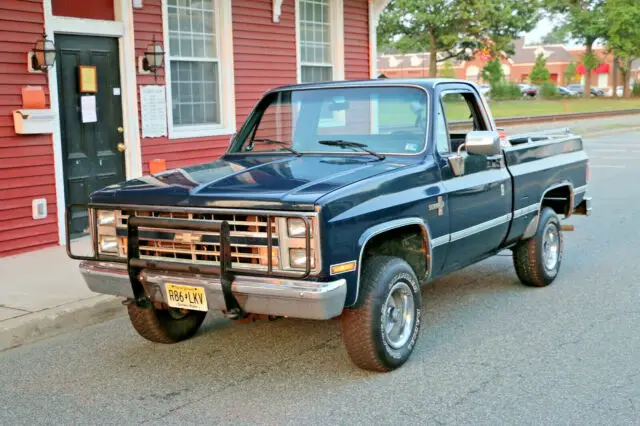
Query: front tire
{"type": "Point", "coordinates": [537, 260]}
{"type": "Point", "coordinates": [164, 325]}
{"type": "Point", "coordinates": [382, 331]}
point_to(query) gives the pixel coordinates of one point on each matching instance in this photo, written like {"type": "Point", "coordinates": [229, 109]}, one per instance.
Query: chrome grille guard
{"type": "Point", "coordinates": [226, 273]}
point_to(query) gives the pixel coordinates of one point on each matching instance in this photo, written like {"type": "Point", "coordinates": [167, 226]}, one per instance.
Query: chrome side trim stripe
{"type": "Point", "coordinates": [480, 227]}
{"type": "Point", "coordinates": [436, 242]}
{"type": "Point", "coordinates": [580, 189]}
{"type": "Point", "coordinates": [526, 210]}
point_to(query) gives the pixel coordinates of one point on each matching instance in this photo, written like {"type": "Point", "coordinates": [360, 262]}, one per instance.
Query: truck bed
{"type": "Point", "coordinates": [551, 163]}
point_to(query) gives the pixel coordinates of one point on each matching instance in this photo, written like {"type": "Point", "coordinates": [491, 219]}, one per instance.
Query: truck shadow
{"type": "Point", "coordinates": [264, 348]}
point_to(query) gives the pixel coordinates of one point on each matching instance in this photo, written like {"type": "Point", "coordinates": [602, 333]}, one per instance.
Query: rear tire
{"type": "Point", "coordinates": [537, 260]}
{"type": "Point", "coordinates": [164, 325]}
{"type": "Point", "coordinates": [382, 331]}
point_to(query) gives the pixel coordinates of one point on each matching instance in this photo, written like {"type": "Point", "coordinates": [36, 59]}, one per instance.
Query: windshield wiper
{"type": "Point", "coordinates": [349, 144]}
{"type": "Point", "coordinates": [275, 142]}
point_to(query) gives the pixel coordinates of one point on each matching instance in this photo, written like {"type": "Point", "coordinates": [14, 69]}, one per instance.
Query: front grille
{"type": "Point", "coordinates": [248, 239]}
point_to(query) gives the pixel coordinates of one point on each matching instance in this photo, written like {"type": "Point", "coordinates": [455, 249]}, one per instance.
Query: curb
{"type": "Point", "coordinates": [40, 325]}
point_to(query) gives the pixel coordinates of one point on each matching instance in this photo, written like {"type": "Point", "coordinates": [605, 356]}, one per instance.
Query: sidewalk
{"type": "Point", "coordinates": [43, 294]}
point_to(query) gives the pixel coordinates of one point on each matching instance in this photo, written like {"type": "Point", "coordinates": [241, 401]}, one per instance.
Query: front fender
{"type": "Point", "coordinates": [371, 232]}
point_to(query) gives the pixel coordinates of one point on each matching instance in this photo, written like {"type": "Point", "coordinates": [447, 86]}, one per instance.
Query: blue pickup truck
{"type": "Point", "coordinates": [337, 199]}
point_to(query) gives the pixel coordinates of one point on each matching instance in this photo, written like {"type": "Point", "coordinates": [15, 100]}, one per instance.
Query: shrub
{"type": "Point", "coordinates": [504, 92]}
{"type": "Point", "coordinates": [492, 73]}
{"type": "Point", "coordinates": [539, 72]}
{"type": "Point", "coordinates": [548, 90]}
{"type": "Point", "coordinates": [635, 90]}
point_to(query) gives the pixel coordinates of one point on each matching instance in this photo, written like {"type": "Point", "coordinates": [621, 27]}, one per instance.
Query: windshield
{"type": "Point", "coordinates": [388, 120]}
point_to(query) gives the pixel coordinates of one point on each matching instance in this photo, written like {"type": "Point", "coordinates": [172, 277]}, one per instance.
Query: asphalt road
{"type": "Point", "coordinates": [491, 350]}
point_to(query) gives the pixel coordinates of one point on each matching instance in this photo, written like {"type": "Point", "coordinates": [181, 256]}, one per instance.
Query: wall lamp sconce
{"type": "Point", "coordinates": [153, 58]}
{"type": "Point", "coordinates": [43, 54]}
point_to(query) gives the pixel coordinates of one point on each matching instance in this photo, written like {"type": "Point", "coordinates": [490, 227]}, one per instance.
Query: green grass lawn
{"type": "Point", "coordinates": [542, 107]}
{"type": "Point", "coordinates": [397, 113]}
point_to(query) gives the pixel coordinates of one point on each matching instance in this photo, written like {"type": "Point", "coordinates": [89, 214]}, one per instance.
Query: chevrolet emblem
{"type": "Point", "coordinates": [187, 238]}
{"type": "Point", "coordinates": [439, 206]}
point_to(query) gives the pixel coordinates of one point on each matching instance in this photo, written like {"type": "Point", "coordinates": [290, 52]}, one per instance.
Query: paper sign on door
{"type": "Point", "coordinates": [88, 108]}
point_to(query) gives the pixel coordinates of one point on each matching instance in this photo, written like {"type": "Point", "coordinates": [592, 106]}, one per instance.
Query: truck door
{"type": "Point", "coordinates": [479, 201]}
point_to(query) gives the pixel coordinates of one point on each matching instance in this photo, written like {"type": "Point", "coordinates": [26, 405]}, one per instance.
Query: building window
{"type": "Point", "coordinates": [320, 45]}
{"type": "Point", "coordinates": [196, 52]}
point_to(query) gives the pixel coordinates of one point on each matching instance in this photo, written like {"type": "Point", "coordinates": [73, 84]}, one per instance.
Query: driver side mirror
{"type": "Point", "coordinates": [483, 143]}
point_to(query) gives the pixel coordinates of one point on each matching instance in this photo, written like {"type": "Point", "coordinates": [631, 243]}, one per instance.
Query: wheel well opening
{"type": "Point", "coordinates": [408, 243]}
{"type": "Point", "coordinates": [559, 199]}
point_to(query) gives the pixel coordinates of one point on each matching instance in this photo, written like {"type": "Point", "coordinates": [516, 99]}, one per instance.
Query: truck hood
{"type": "Point", "coordinates": [247, 181]}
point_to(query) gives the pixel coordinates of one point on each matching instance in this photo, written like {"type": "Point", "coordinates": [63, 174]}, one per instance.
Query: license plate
{"type": "Point", "coordinates": [186, 297]}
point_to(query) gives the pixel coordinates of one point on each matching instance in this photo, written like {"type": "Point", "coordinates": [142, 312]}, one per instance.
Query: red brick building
{"type": "Point", "coordinates": [517, 67]}
{"type": "Point", "coordinates": [92, 128]}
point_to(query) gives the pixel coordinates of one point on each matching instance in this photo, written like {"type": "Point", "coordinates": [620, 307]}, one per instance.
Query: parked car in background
{"type": "Point", "coordinates": [484, 89]}
{"type": "Point", "coordinates": [565, 92]}
{"type": "Point", "coordinates": [579, 89]}
{"type": "Point", "coordinates": [620, 90]}
{"type": "Point", "coordinates": [528, 90]}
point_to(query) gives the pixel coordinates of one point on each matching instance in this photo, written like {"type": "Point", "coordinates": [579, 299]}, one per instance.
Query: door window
{"type": "Point", "coordinates": [462, 116]}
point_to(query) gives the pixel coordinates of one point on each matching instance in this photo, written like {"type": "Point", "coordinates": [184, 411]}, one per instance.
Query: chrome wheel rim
{"type": "Point", "coordinates": [398, 315]}
{"type": "Point", "coordinates": [550, 246]}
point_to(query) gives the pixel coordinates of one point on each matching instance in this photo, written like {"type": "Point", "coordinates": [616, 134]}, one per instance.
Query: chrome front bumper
{"type": "Point", "coordinates": [258, 295]}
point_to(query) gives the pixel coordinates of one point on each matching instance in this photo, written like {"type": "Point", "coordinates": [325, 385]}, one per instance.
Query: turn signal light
{"type": "Point", "coordinates": [343, 267]}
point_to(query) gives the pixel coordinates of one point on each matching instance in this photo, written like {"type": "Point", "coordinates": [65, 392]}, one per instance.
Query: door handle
{"type": "Point", "coordinates": [121, 147]}
{"type": "Point", "coordinates": [120, 129]}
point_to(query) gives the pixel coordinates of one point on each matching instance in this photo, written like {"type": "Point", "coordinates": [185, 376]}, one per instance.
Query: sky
{"type": "Point", "coordinates": [544, 26]}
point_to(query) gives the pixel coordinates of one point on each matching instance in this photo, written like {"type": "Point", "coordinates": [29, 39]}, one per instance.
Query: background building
{"type": "Point", "coordinates": [517, 67]}
{"type": "Point", "coordinates": [62, 138]}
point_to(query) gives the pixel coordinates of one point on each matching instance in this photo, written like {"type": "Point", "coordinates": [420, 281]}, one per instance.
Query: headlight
{"type": "Point", "coordinates": [298, 258]}
{"type": "Point", "coordinates": [296, 228]}
{"type": "Point", "coordinates": [106, 217]}
{"type": "Point", "coordinates": [108, 244]}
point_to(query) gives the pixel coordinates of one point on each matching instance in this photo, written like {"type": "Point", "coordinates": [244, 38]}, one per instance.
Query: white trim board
{"type": "Point", "coordinates": [122, 29]}
{"type": "Point", "coordinates": [375, 10]}
{"type": "Point", "coordinates": [81, 26]}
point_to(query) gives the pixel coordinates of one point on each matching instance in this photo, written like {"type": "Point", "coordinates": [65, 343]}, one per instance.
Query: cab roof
{"type": "Point", "coordinates": [426, 83]}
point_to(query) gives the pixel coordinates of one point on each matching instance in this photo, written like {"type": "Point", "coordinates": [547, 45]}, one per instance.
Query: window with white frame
{"type": "Point", "coordinates": [319, 33]}
{"type": "Point", "coordinates": [195, 67]}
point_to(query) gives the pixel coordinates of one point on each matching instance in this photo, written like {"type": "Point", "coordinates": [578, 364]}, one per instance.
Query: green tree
{"type": "Point", "coordinates": [539, 73]}
{"type": "Point", "coordinates": [623, 36]}
{"type": "Point", "coordinates": [555, 36]}
{"type": "Point", "coordinates": [450, 29]}
{"type": "Point", "coordinates": [584, 21]}
{"type": "Point", "coordinates": [570, 73]}
{"type": "Point", "coordinates": [492, 73]}
{"type": "Point", "coordinates": [447, 70]}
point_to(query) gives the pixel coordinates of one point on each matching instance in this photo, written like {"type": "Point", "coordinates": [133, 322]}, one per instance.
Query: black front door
{"type": "Point", "coordinates": [479, 201]}
{"type": "Point", "coordinates": [89, 141]}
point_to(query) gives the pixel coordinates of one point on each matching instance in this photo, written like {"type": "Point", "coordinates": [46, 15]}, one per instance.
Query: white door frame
{"type": "Point", "coordinates": [121, 28]}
